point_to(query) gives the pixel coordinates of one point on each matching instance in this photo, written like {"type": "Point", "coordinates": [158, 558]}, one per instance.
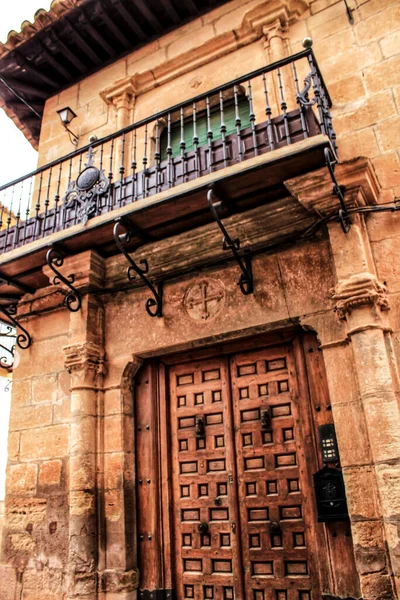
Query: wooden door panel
{"type": "Point", "coordinates": [277, 535]}
{"type": "Point", "coordinates": [203, 471]}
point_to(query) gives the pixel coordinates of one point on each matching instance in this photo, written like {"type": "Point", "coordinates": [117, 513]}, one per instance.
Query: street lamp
{"type": "Point", "coordinates": [66, 115]}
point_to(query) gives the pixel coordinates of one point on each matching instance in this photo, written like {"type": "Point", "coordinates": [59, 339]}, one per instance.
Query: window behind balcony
{"type": "Point", "coordinates": [201, 126]}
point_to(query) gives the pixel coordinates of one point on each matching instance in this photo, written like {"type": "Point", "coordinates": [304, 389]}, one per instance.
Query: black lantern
{"type": "Point", "coordinates": [66, 115]}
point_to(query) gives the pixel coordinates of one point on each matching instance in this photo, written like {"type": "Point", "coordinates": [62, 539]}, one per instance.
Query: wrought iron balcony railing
{"type": "Point", "coordinates": [257, 113]}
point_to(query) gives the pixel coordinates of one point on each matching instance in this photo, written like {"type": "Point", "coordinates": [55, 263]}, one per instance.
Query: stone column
{"type": "Point", "coordinates": [84, 359]}
{"type": "Point", "coordinates": [360, 300]}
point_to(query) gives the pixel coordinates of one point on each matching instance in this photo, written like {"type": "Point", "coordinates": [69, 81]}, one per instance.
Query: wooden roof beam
{"type": "Point", "coordinates": [83, 45]}
{"type": "Point", "coordinates": [73, 59]}
{"type": "Point", "coordinates": [54, 63]}
{"type": "Point", "coordinates": [125, 14]}
{"type": "Point", "coordinates": [149, 16]}
{"type": "Point", "coordinates": [170, 10]}
{"type": "Point", "coordinates": [26, 63]}
{"type": "Point", "coordinates": [113, 28]}
{"type": "Point", "coordinates": [96, 36]}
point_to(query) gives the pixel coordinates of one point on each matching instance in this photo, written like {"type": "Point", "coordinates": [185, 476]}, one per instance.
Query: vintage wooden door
{"type": "Point", "coordinates": [242, 495]}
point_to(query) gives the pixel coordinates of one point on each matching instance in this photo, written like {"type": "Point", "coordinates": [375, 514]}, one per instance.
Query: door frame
{"type": "Point", "coordinates": [312, 386]}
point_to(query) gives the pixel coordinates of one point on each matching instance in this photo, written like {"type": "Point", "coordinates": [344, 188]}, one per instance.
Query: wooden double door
{"type": "Point", "coordinates": [243, 524]}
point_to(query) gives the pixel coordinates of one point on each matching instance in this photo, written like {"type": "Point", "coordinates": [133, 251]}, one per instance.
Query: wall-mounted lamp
{"type": "Point", "coordinates": [66, 115]}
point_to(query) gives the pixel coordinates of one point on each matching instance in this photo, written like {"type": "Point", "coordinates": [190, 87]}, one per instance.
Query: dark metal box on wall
{"type": "Point", "coordinates": [330, 495]}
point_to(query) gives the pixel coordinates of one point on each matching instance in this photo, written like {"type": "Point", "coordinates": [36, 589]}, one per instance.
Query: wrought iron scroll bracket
{"type": "Point", "coordinates": [23, 339]}
{"type": "Point", "coordinates": [338, 190]}
{"type": "Point", "coordinates": [123, 233]}
{"type": "Point", "coordinates": [245, 282]}
{"type": "Point", "coordinates": [55, 260]}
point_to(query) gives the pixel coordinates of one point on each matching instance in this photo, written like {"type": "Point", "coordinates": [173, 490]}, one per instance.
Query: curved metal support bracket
{"type": "Point", "coordinates": [123, 233]}
{"type": "Point", "coordinates": [245, 282]}
{"type": "Point", "coordinates": [5, 362]}
{"type": "Point", "coordinates": [73, 298]}
{"type": "Point", "coordinates": [24, 340]}
{"type": "Point", "coordinates": [338, 190]}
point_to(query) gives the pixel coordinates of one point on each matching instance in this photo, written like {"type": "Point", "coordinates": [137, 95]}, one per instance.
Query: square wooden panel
{"type": "Point", "coordinates": [285, 460]}
{"type": "Point", "coordinates": [258, 595]}
{"type": "Point", "coordinates": [267, 437]}
{"type": "Point", "coordinates": [200, 443]}
{"type": "Point", "coordinates": [222, 489]}
{"type": "Point", "coordinates": [243, 393]}
{"type": "Point", "coordinates": [272, 486]}
{"type": "Point", "coordinates": [249, 369]}
{"type": "Point", "coordinates": [183, 445]}
{"type": "Point", "coordinates": [251, 488]}
{"type": "Point", "coordinates": [185, 422]}
{"type": "Point", "coordinates": [218, 514]}
{"type": "Point", "coordinates": [185, 491]}
{"type": "Point", "coordinates": [283, 386]}
{"type": "Point", "coordinates": [296, 567]}
{"type": "Point", "coordinates": [254, 540]}
{"type": "Point", "coordinates": [263, 389]}
{"type": "Point", "coordinates": [228, 593]}
{"type": "Point", "coordinates": [221, 566]}
{"type": "Point", "coordinates": [205, 540]}
{"type": "Point", "coordinates": [216, 465]}
{"type": "Point", "coordinates": [262, 568]}
{"type": "Point", "coordinates": [199, 398]}
{"type": "Point", "coordinates": [290, 512]}
{"type": "Point", "coordinates": [247, 439]}
{"type": "Point", "coordinates": [208, 591]}
{"type": "Point", "coordinates": [181, 401]}
{"type": "Point", "coordinates": [190, 514]}
{"type": "Point", "coordinates": [187, 468]}
{"type": "Point", "coordinates": [304, 594]}
{"type": "Point", "coordinates": [187, 540]}
{"type": "Point", "coordinates": [216, 396]}
{"type": "Point", "coordinates": [276, 364]}
{"type": "Point", "coordinates": [299, 539]}
{"type": "Point", "coordinates": [254, 463]}
{"type": "Point", "coordinates": [288, 434]}
{"type": "Point", "coordinates": [219, 441]}
{"type": "Point", "coordinates": [203, 489]}
{"type": "Point", "coordinates": [281, 594]}
{"type": "Point", "coordinates": [211, 375]}
{"type": "Point", "coordinates": [224, 540]}
{"type": "Point", "coordinates": [293, 486]}
{"type": "Point", "coordinates": [276, 540]}
{"type": "Point", "coordinates": [193, 565]}
{"type": "Point", "coordinates": [257, 514]}
{"type": "Point", "coordinates": [188, 590]}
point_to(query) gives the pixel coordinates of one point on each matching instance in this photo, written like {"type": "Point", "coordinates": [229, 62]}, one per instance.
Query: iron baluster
{"type": "Point", "coordinates": [1, 221]}
{"type": "Point", "coordinates": [145, 171]}
{"type": "Point", "coordinates": [57, 198]}
{"type": "Point", "coordinates": [338, 190]}
{"type": "Point", "coordinates": [169, 153]}
{"type": "Point", "coordinates": [110, 176]}
{"type": "Point", "coordinates": [209, 136]}
{"type": "Point", "coordinates": [245, 282]}
{"type": "Point", "coordinates": [23, 340]}
{"type": "Point", "coordinates": [268, 112]}
{"type": "Point", "coordinates": [122, 169]}
{"type": "Point", "coordinates": [55, 260]}
{"type": "Point", "coordinates": [238, 124]}
{"type": "Point", "coordinates": [300, 104]}
{"type": "Point", "coordinates": [182, 145]}
{"type": "Point", "coordinates": [9, 217]}
{"type": "Point", "coordinates": [47, 202]}
{"type": "Point", "coordinates": [222, 128]}
{"type": "Point", "coordinates": [284, 107]}
{"type": "Point", "coordinates": [153, 305]}
{"type": "Point", "coordinates": [157, 156]}
{"type": "Point", "coordinates": [134, 166]}
{"type": "Point", "coordinates": [18, 217]}
{"type": "Point", "coordinates": [28, 207]}
{"type": "Point", "coordinates": [196, 142]}
{"type": "Point", "coordinates": [252, 118]}
{"type": "Point", "coordinates": [37, 207]}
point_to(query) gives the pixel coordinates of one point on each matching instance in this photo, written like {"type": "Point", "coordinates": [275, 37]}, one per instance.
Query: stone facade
{"type": "Point", "coordinates": [69, 530]}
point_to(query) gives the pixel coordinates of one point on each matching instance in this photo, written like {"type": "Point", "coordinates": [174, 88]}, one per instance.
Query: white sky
{"type": "Point", "coordinates": [17, 157]}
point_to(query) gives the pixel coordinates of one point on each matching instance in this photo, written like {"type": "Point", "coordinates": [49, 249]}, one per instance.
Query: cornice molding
{"type": "Point", "coordinates": [255, 25]}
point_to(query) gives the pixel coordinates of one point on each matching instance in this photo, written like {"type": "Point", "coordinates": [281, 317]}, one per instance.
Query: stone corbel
{"type": "Point", "coordinates": [314, 190]}
{"type": "Point", "coordinates": [358, 290]}
{"type": "Point", "coordinates": [268, 14]}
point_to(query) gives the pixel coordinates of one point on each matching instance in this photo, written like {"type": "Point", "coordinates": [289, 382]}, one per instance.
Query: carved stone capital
{"type": "Point", "coordinates": [119, 581]}
{"type": "Point", "coordinates": [84, 357]}
{"type": "Point", "coordinates": [269, 16]}
{"type": "Point", "coordinates": [121, 93]}
{"type": "Point", "coordinates": [359, 290]}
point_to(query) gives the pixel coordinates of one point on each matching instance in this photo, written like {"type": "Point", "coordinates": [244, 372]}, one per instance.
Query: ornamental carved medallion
{"type": "Point", "coordinates": [84, 192]}
{"type": "Point", "coordinates": [204, 299]}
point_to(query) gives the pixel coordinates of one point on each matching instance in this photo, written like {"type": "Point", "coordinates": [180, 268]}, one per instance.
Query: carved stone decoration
{"type": "Point", "coordinates": [359, 289]}
{"type": "Point", "coordinates": [204, 299]}
{"type": "Point", "coordinates": [86, 189]}
{"type": "Point", "coordinates": [87, 357]}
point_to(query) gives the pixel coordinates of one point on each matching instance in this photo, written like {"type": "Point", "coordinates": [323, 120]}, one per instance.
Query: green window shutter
{"type": "Point", "coordinates": [201, 126]}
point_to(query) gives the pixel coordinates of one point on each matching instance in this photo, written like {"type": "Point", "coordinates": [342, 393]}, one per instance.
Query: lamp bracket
{"type": "Point", "coordinates": [338, 190]}
{"type": "Point", "coordinates": [55, 259]}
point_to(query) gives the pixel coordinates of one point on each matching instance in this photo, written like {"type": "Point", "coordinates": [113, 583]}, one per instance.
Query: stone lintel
{"type": "Point", "coordinates": [314, 190]}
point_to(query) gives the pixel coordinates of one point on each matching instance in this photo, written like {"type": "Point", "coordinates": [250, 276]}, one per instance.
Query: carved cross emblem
{"type": "Point", "coordinates": [204, 299]}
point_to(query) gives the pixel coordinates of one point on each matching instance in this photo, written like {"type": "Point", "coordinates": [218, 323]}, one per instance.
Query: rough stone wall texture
{"type": "Point", "coordinates": [70, 430]}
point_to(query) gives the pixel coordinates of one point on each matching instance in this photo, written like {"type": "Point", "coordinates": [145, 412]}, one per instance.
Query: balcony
{"type": "Point", "coordinates": [245, 138]}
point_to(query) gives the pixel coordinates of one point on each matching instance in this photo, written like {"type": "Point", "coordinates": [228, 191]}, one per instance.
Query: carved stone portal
{"type": "Point", "coordinates": [204, 299]}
